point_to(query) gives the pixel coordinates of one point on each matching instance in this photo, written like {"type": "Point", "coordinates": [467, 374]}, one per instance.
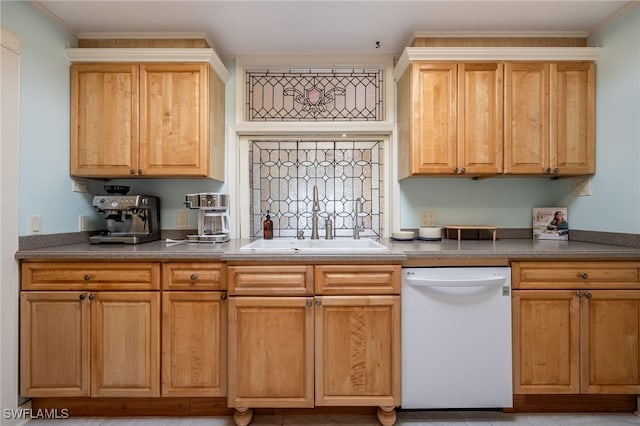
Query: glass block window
{"type": "Point", "coordinates": [314, 95]}
{"type": "Point", "coordinates": [283, 174]}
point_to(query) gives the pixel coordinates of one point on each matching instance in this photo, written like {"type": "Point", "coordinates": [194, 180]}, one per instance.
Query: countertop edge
{"type": "Point", "coordinates": [397, 252]}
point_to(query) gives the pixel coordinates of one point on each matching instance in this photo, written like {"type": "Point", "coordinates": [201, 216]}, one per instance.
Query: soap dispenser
{"type": "Point", "coordinates": [267, 228]}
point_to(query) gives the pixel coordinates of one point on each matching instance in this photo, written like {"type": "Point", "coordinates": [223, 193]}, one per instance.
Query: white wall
{"type": "Point", "coordinates": [43, 177]}
{"type": "Point", "coordinates": [614, 205]}
{"type": "Point", "coordinates": [9, 291]}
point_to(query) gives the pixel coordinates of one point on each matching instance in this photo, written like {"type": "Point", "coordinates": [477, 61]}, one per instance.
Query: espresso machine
{"type": "Point", "coordinates": [130, 219]}
{"type": "Point", "coordinates": [213, 217]}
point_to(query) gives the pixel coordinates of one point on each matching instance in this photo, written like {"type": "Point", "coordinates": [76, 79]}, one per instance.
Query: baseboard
{"type": "Point", "coordinates": [572, 403]}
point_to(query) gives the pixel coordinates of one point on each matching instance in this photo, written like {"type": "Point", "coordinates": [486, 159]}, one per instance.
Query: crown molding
{"type": "Point", "coordinates": [499, 34]}
{"type": "Point", "coordinates": [145, 36]}
{"type": "Point", "coordinates": [411, 54]}
{"type": "Point", "coordinates": [150, 55]}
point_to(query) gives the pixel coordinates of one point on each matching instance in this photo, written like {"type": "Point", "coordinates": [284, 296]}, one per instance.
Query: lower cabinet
{"type": "Point", "coordinates": [194, 334]}
{"type": "Point", "coordinates": [271, 352]}
{"type": "Point", "coordinates": [292, 350]}
{"type": "Point", "coordinates": [194, 329]}
{"type": "Point", "coordinates": [86, 343]}
{"type": "Point", "coordinates": [357, 351]}
{"type": "Point", "coordinates": [583, 336]}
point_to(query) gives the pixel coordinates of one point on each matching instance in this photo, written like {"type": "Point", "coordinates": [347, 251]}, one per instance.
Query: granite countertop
{"type": "Point", "coordinates": [399, 251]}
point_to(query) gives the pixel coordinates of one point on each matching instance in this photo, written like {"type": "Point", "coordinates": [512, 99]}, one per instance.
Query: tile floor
{"type": "Point", "coordinates": [413, 418]}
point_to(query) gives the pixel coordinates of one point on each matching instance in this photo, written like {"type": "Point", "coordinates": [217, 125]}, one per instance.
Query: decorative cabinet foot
{"type": "Point", "coordinates": [243, 416]}
{"type": "Point", "coordinates": [387, 415]}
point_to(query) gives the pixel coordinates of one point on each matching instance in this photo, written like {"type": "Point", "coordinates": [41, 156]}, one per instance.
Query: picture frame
{"type": "Point", "coordinates": [550, 223]}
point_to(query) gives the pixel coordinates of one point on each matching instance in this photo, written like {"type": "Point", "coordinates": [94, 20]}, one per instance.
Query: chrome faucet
{"type": "Point", "coordinates": [314, 210]}
{"type": "Point", "coordinates": [356, 227]}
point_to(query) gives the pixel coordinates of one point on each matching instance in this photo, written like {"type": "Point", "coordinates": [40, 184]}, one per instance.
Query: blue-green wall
{"type": "Point", "coordinates": [45, 185]}
{"type": "Point", "coordinates": [614, 205]}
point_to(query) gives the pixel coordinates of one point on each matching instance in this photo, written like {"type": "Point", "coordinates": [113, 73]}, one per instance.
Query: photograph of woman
{"type": "Point", "coordinates": [559, 223]}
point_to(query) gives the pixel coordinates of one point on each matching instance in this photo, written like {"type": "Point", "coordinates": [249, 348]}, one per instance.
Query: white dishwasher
{"type": "Point", "coordinates": [456, 338]}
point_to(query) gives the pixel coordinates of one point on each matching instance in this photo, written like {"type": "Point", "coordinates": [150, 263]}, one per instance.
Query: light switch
{"type": "Point", "coordinates": [35, 224]}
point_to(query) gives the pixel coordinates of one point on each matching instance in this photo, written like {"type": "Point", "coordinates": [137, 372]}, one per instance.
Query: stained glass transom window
{"type": "Point", "coordinates": [283, 174]}
{"type": "Point", "coordinates": [314, 95]}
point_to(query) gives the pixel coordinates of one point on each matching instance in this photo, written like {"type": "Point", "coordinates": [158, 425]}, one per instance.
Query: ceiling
{"type": "Point", "coordinates": [323, 27]}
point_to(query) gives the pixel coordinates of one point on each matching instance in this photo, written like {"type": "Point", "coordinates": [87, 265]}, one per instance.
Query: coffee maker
{"type": "Point", "coordinates": [130, 219]}
{"type": "Point", "coordinates": [213, 217]}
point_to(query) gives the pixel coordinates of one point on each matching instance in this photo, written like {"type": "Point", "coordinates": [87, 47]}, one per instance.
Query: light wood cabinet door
{"type": "Point", "coordinates": [125, 344]}
{"type": "Point", "coordinates": [546, 341]}
{"type": "Point", "coordinates": [194, 344]}
{"type": "Point", "coordinates": [104, 119]}
{"type": "Point", "coordinates": [151, 120]}
{"type": "Point", "coordinates": [480, 119]}
{"type": "Point", "coordinates": [358, 357]}
{"type": "Point", "coordinates": [270, 352]}
{"type": "Point", "coordinates": [54, 344]}
{"type": "Point", "coordinates": [526, 137]}
{"type": "Point", "coordinates": [610, 341]}
{"type": "Point", "coordinates": [174, 119]}
{"type": "Point", "coordinates": [433, 118]}
{"type": "Point", "coordinates": [454, 121]}
{"type": "Point", "coordinates": [572, 106]}
{"type": "Point", "coordinates": [550, 118]}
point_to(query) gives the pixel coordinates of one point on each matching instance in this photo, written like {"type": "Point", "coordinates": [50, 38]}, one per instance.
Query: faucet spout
{"type": "Point", "coordinates": [357, 228]}
{"type": "Point", "coordinates": [314, 214]}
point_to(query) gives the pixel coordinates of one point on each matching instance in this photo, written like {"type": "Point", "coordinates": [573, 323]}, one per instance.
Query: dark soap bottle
{"type": "Point", "coordinates": [267, 228]}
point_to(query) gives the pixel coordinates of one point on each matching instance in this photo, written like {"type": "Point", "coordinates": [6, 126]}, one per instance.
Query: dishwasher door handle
{"type": "Point", "coordinates": [457, 282]}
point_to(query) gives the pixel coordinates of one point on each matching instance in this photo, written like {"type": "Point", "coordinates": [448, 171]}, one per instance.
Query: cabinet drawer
{"type": "Point", "coordinates": [90, 276]}
{"type": "Point", "coordinates": [271, 280]}
{"type": "Point", "coordinates": [357, 279]}
{"type": "Point", "coordinates": [576, 275]}
{"type": "Point", "coordinates": [194, 276]}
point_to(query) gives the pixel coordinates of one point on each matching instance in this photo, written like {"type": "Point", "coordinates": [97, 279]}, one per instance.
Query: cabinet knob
{"type": "Point", "coordinates": [87, 277]}
{"type": "Point", "coordinates": [584, 276]}
{"type": "Point", "coordinates": [455, 170]}
{"type": "Point", "coordinates": [139, 171]}
{"type": "Point", "coordinates": [318, 302]}
{"type": "Point", "coordinates": [92, 296]}
{"type": "Point", "coordinates": [223, 296]}
{"type": "Point", "coordinates": [309, 303]}
{"type": "Point", "coordinates": [132, 172]}
{"type": "Point", "coordinates": [83, 296]}
{"type": "Point", "coordinates": [194, 277]}
{"type": "Point", "coordinates": [462, 170]}
{"type": "Point", "coordinates": [587, 295]}
{"type": "Point", "coordinates": [556, 170]}
{"type": "Point", "coordinates": [548, 169]}
{"type": "Point", "coordinates": [579, 293]}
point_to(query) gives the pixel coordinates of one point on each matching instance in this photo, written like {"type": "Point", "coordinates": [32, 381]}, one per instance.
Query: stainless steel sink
{"type": "Point", "coordinates": [336, 245]}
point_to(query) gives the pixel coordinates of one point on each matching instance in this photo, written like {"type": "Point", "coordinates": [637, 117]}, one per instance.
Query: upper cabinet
{"type": "Point", "coordinates": [550, 118]}
{"type": "Point", "coordinates": [452, 122]}
{"type": "Point", "coordinates": [146, 119]}
{"type": "Point", "coordinates": [495, 112]}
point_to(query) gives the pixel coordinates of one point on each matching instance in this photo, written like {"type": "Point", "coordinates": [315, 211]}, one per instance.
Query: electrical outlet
{"type": "Point", "coordinates": [581, 186]}
{"type": "Point", "coordinates": [428, 218]}
{"type": "Point", "coordinates": [181, 220]}
{"type": "Point", "coordinates": [35, 224]}
{"type": "Point", "coordinates": [83, 223]}
{"type": "Point", "coordinates": [79, 185]}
